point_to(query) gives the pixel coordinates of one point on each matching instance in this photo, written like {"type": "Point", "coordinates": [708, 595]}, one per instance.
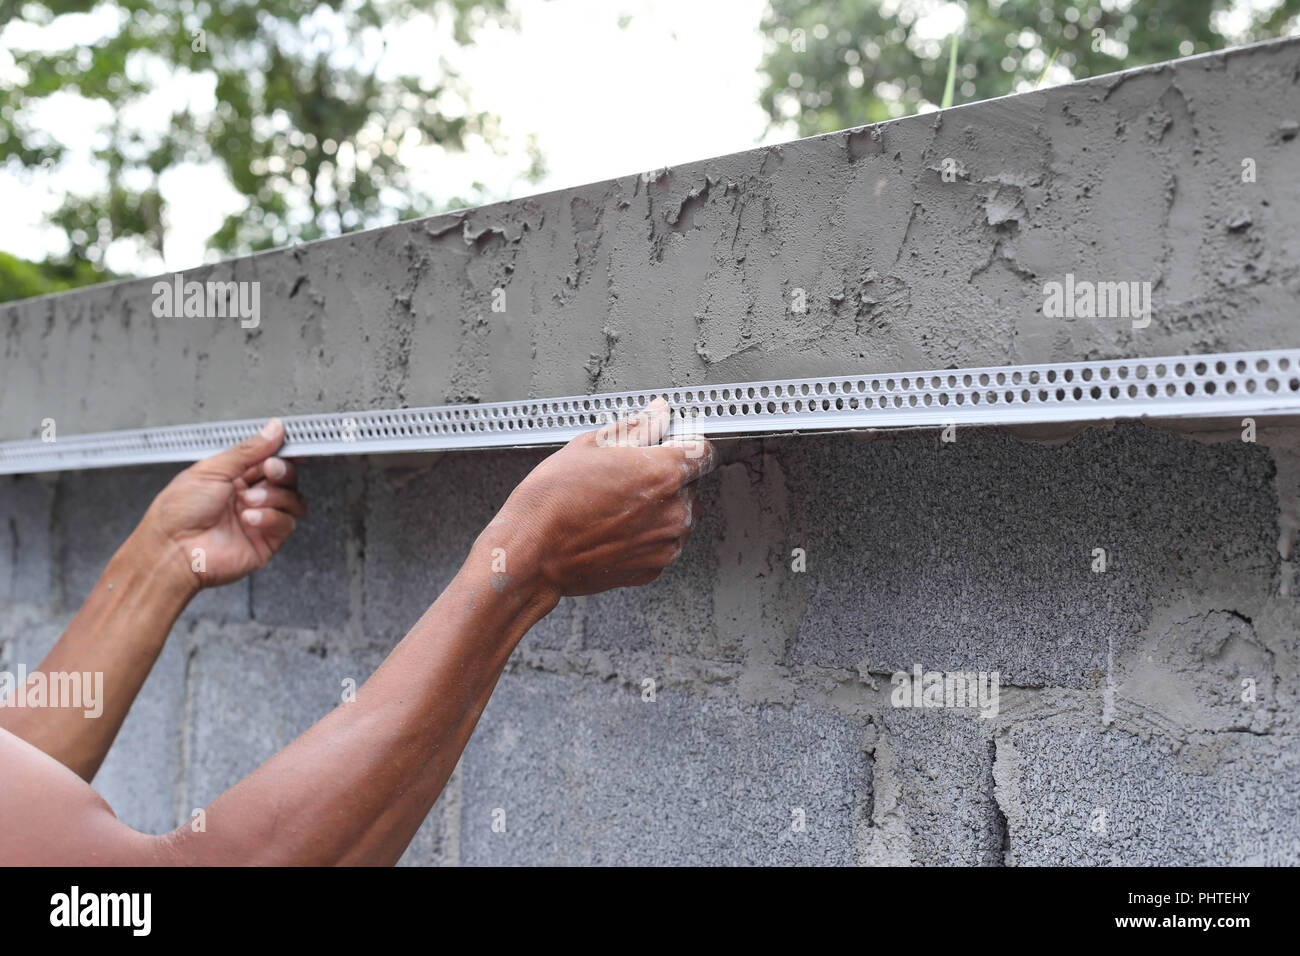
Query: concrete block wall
{"type": "Point", "coordinates": [699, 719]}
{"type": "Point", "coordinates": [1121, 692]}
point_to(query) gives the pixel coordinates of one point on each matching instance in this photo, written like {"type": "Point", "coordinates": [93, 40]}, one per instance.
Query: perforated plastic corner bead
{"type": "Point", "coordinates": [1261, 383]}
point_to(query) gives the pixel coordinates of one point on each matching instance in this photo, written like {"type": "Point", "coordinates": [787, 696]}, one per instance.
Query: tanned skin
{"type": "Point", "coordinates": [610, 509]}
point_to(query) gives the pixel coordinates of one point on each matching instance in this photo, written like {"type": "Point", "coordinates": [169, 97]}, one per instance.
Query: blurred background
{"type": "Point", "coordinates": [144, 137]}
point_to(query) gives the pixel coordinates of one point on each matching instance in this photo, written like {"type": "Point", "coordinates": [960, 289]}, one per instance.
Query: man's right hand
{"type": "Point", "coordinates": [610, 509]}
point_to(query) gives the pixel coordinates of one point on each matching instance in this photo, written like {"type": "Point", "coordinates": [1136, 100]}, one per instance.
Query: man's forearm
{"type": "Point", "coordinates": [355, 787]}
{"type": "Point", "coordinates": [118, 633]}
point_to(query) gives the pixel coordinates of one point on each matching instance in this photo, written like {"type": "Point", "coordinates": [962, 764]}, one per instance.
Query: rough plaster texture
{"type": "Point", "coordinates": [1122, 734]}
{"type": "Point", "coordinates": [685, 275]}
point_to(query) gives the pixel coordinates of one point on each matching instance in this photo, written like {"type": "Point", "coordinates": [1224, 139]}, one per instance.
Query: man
{"type": "Point", "coordinates": [610, 509]}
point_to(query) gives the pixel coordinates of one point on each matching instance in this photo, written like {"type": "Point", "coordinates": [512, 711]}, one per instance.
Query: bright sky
{"type": "Point", "coordinates": [678, 82]}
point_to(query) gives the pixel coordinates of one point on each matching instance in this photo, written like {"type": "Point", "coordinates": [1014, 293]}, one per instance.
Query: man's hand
{"type": "Point", "coordinates": [215, 522]}
{"type": "Point", "coordinates": [609, 509]}
{"type": "Point", "coordinates": [228, 514]}
{"type": "Point", "coordinates": [612, 508]}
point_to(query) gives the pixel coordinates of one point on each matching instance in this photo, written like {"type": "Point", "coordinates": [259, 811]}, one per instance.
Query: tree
{"type": "Point", "coordinates": [301, 117]}
{"type": "Point", "coordinates": [20, 279]}
{"type": "Point", "coordinates": [832, 64]}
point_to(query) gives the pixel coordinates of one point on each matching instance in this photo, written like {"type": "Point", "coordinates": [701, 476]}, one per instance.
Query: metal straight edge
{"type": "Point", "coordinates": [1261, 383]}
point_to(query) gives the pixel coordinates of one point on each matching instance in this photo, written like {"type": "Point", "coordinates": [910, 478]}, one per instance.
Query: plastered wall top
{"type": "Point", "coordinates": [926, 242]}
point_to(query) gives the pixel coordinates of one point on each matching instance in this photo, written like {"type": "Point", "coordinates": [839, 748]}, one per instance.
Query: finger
{"type": "Point", "coordinates": [274, 525]}
{"type": "Point", "coordinates": [690, 498]}
{"type": "Point", "coordinates": [698, 455]}
{"type": "Point", "coordinates": [274, 469]}
{"type": "Point", "coordinates": [677, 464]}
{"type": "Point", "coordinates": [263, 495]}
{"type": "Point", "coordinates": [650, 427]}
{"type": "Point", "coordinates": [238, 459]}
{"type": "Point", "coordinates": [645, 428]}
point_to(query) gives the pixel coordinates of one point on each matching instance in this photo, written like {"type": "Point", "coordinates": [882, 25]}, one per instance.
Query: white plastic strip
{"type": "Point", "coordinates": [1194, 386]}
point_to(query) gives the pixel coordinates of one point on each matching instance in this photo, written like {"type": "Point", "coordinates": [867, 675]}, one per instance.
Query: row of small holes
{"type": "Point", "coordinates": [849, 395]}
{"type": "Point", "coordinates": [427, 424]}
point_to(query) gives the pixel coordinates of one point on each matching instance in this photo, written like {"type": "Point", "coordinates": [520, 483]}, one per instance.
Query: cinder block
{"type": "Point", "coordinates": [29, 638]}
{"type": "Point", "coordinates": [252, 692]}
{"type": "Point", "coordinates": [420, 525]}
{"type": "Point", "coordinates": [943, 762]}
{"type": "Point", "coordinates": [140, 776]}
{"type": "Point", "coordinates": [1080, 796]}
{"type": "Point", "coordinates": [306, 584]}
{"type": "Point", "coordinates": [978, 555]}
{"type": "Point", "coordinates": [673, 615]}
{"type": "Point", "coordinates": [731, 591]}
{"type": "Point", "coordinates": [285, 682]}
{"type": "Point", "coordinates": [96, 511]}
{"type": "Point", "coordinates": [586, 772]}
{"type": "Point", "coordinates": [26, 553]}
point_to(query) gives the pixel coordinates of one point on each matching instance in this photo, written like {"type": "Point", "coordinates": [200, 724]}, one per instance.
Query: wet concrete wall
{"type": "Point", "coordinates": [741, 709]}
{"type": "Point", "coordinates": [692, 274]}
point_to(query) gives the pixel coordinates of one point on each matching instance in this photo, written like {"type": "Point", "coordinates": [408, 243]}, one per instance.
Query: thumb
{"type": "Point", "coordinates": [649, 427]}
{"type": "Point", "coordinates": [237, 459]}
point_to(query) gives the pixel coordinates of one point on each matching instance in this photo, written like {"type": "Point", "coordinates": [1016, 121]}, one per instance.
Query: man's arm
{"type": "Point", "coordinates": [355, 787]}
{"type": "Point", "coordinates": [118, 633]}
{"type": "Point", "coordinates": [217, 521]}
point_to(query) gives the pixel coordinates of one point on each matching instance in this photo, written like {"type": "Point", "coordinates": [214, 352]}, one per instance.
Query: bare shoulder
{"type": "Point", "coordinates": [51, 817]}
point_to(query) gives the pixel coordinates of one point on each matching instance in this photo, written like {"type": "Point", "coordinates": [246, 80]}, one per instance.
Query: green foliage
{"type": "Point", "coordinates": [20, 279]}
{"type": "Point", "coordinates": [863, 61]}
{"type": "Point", "coordinates": [306, 125]}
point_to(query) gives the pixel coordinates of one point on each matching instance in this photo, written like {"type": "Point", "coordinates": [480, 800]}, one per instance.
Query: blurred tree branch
{"type": "Point", "coordinates": [306, 126]}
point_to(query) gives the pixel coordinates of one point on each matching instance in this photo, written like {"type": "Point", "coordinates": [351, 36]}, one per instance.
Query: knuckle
{"type": "Point", "coordinates": [669, 475]}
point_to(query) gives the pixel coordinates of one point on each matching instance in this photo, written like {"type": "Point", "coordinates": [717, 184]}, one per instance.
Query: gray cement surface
{"type": "Point", "coordinates": [1146, 712]}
